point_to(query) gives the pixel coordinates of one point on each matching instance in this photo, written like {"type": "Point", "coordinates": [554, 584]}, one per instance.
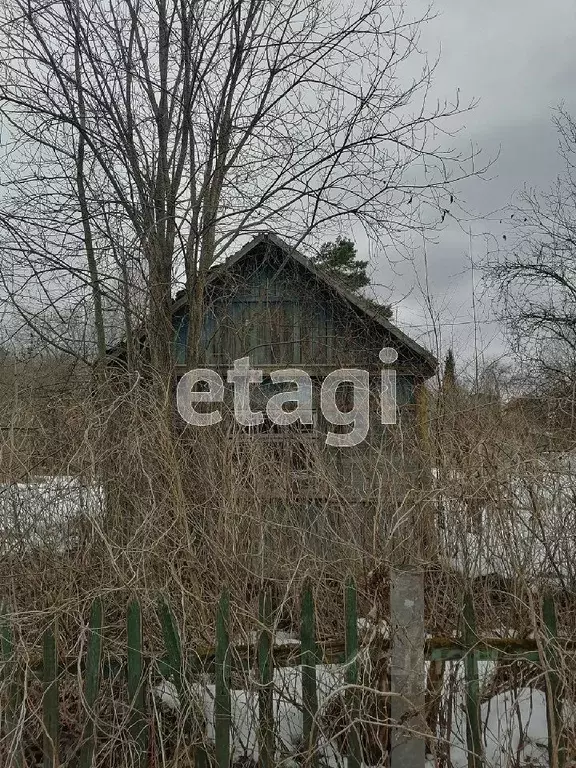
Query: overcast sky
{"type": "Point", "coordinates": [518, 59]}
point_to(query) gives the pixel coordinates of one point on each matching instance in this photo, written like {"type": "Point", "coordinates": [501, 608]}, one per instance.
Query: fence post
{"type": "Point", "coordinates": [92, 680]}
{"type": "Point", "coordinates": [473, 733]}
{"type": "Point", "coordinates": [351, 619]}
{"type": "Point", "coordinates": [136, 689]}
{"type": "Point", "coordinates": [222, 714]}
{"type": "Point", "coordinates": [50, 698]}
{"type": "Point", "coordinates": [266, 680]}
{"type": "Point", "coordinates": [308, 659]}
{"type": "Point", "coordinates": [14, 690]}
{"type": "Point", "coordinates": [407, 675]}
{"type": "Point", "coordinates": [556, 745]}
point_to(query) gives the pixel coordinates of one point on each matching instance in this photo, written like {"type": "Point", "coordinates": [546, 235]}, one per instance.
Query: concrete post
{"type": "Point", "coordinates": [407, 674]}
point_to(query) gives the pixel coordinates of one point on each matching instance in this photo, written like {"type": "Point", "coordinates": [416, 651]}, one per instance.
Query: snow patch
{"type": "Point", "coordinates": [42, 511]}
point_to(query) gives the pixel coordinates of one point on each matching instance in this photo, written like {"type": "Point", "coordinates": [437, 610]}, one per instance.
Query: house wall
{"type": "Point", "coordinates": [279, 316]}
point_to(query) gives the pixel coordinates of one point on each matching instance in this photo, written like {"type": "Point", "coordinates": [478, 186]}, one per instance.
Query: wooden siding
{"type": "Point", "coordinates": [273, 312]}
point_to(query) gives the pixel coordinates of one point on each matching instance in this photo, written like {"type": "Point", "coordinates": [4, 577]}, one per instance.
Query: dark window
{"type": "Point", "coordinates": [405, 390]}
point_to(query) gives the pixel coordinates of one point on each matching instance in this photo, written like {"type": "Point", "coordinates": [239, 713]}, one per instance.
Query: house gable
{"type": "Point", "coordinates": [270, 304]}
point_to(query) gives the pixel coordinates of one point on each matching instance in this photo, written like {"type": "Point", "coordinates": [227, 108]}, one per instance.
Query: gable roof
{"type": "Point", "coordinates": [360, 304]}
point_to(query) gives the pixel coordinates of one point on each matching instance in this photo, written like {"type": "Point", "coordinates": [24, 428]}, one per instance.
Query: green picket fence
{"type": "Point", "coordinates": [222, 661]}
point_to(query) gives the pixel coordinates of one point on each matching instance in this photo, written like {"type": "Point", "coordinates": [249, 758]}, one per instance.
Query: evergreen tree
{"type": "Point", "coordinates": [449, 378]}
{"type": "Point", "coordinates": [340, 259]}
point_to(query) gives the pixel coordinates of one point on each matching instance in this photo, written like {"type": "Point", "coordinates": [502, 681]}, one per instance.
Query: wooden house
{"type": "Point", "coordinates": [269, 303]}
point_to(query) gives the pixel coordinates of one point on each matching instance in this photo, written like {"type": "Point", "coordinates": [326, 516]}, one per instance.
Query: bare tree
{"type": "Point", "coordinates": [536, 273]}
{"type": "Point", "coordinates": [192, 124]}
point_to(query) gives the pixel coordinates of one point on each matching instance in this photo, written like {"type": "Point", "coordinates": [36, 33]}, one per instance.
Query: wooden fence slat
{"type": "Point", "coordinates": [556, 745]}
{"type": "Point", "coordinates": [172, 644]}
{"type": "Point", "coordinates": [266, 681]}
{"type": "Point", "coordinates": [136, 688]}
{"type": "Point", "coordinates": [176, 670]}
{"type": "Point", "coordinates": [50, 699]}
{"type": "Point", "coordinates": [6, 639]}
{"type": "Point", "coordinates": [92, 680]}
{"type": "Point", "coordinates": [351, 620]}
{"type": "Point", "coordinates": [10, 673]}
{"type": "Point", "coordinates": [222, 712]}
{"type": "Point", "coordinates": [473, 732]}
{"type": "Point", "coordinates": [309, 685]}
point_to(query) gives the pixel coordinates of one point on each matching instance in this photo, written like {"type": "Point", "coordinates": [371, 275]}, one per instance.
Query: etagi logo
{"type": "Point", "coordinates": [299, 399]}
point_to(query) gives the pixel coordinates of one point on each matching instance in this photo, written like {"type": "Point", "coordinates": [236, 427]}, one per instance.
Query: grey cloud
{"type": "Point", "coordinates": [517, 57]}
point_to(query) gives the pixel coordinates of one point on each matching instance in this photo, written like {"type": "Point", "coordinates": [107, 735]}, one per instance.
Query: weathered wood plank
{"type": "Point", "coordinates": [11, 674]}
{"type": "Point", "coordinates": [222, 711]}
{"type": "Point", "coordinates": [265, 679]}
{"type": "Point", "coordinates": [50, 699]}
{"type": "Point", "coordinates": [92, 680]}
{"type": "Point", "coordinates": [473, 733]}
{"type": "Point", "coordinates": [556, 737]}
{"type": "Point", "coordinates": [172, 644]}
{"type": "Point", "coordinates": [176, 672]}
{"type": "Point", "coordinates": [333, 651]}
{"type": "Point", "coordinates": [309, 659]}
{"type": "Point", "coordinates": [351, 621]}
{"type": "Point", "coordinates": [136, 688]}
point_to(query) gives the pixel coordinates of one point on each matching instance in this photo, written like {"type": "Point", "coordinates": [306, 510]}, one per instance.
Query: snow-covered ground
{"type": "Point", "coordinates": [287, 712]}
{"type": "Point", "coordinates": [531, 533]}
{"type": "Point", "coordinates": [42, 511]}
{"type": "Point", "coordinates": [514, 726]}
{"type": "Point", "coordinates": [525, 527]}
{"type": "Point", "coordinates": [514, 731]}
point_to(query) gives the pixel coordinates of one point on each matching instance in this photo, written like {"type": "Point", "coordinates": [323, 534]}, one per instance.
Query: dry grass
{"type": "Point", "coordinates": [185, 513]}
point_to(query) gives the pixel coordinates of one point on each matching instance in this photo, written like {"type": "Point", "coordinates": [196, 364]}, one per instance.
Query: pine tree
{"type": "Point", "coordinates": [449, 378]}
{"type": "Point", "coordinates": [340, 259]}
